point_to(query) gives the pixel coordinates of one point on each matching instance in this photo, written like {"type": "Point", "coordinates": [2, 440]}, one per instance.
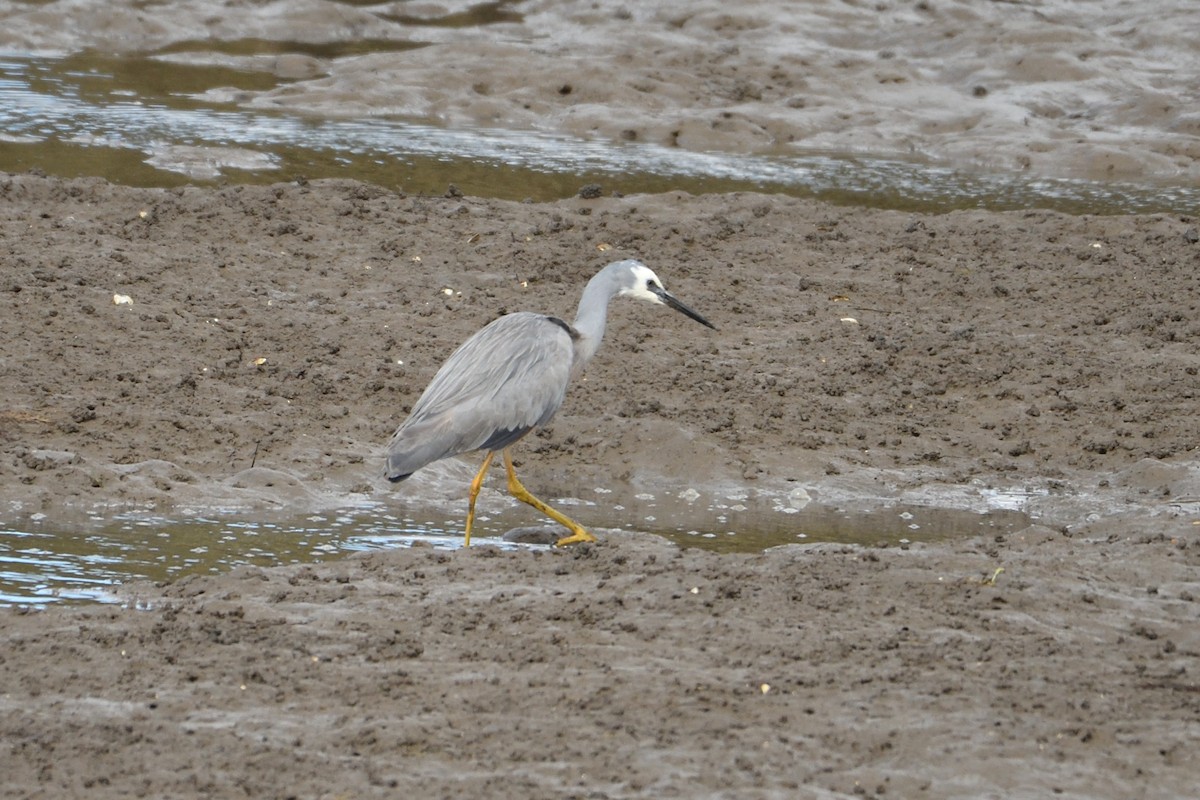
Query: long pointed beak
{"type": "Point", "coordinates": [670, 300]}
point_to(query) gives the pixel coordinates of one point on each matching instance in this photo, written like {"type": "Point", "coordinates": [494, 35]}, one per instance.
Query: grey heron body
{"type": "Point", "coordinates": [511, 377]}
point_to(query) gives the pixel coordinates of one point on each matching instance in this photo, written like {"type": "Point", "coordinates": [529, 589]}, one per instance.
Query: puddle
{"type": "Point", "coordinates": [42, 564]}
{"type": "Point", "coordinates": [482, 14]}
{"type": "Point", "coordinates": [166, 119]}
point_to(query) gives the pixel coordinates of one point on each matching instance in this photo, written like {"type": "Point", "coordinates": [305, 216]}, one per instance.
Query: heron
{"type": "Point", "coordinates": [510, 378]}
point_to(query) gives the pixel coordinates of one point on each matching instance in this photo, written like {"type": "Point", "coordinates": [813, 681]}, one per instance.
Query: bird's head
{"type": "Point", "coordinates": [639, 281]}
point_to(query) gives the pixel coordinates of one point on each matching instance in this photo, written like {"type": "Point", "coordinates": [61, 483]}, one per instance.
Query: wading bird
{"type": "Point", "coordinates": [510, 378]}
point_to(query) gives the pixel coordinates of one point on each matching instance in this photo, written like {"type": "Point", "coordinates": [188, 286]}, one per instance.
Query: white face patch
{"type": "Point", "coordinates": [643, 275]}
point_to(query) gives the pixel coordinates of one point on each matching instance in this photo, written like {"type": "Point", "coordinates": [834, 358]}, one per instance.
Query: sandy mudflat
{"type": "Point", "coordinates": [276, 335]}
{"type": "Point", "coordinates": [1032, 350]}
{"type": "Point", "coordinates": [1098, 90]}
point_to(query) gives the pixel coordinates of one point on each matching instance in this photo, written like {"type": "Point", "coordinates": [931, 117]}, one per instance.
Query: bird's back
{"type": "Point", "coordinates": [507, 379]}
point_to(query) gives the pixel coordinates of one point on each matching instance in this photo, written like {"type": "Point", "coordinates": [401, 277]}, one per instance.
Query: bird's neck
{"type": "Point", "coordinates": [591, 318]}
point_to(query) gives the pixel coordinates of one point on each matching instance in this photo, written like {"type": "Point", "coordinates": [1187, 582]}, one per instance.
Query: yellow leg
{"type": "Point", "coordinates": [517, 490]}
{"type": "Point", "coordinates": [475, 486]}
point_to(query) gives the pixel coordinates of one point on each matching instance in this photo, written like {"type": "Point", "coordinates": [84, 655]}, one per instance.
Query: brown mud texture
{"type": "Point", "coordinates": [252, 348]}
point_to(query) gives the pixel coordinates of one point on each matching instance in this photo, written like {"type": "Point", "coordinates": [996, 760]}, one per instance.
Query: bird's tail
{"type": "Point", "coordinates": [414, 446]}
{"type": "Point", "coordinates": [400, 464]}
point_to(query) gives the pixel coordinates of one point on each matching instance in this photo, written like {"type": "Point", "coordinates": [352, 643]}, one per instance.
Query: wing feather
{"type": "Point", "coordinates": [508, 378]}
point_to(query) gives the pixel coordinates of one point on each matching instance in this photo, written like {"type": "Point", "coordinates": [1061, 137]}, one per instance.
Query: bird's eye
{"type": "Point", "coordinates": [649, 283]}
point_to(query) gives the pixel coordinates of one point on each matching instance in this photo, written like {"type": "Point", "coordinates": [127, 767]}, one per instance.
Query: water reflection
{"type": "Point", "coordinates": [143, 120]}
{"type": "Point", "coordinates": [42, 564]}
{"type": "Point", "coordinates": [482, 14]}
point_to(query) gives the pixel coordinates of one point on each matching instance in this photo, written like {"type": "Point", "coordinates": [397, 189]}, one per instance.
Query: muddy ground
{"type": "Point", "coordinates": [862, 355]}
{"type": "Point", "coordinates": [1099, 90]}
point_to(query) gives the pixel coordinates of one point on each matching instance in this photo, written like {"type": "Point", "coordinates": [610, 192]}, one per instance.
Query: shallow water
{"type": "Point", "coordinates": [43, 563]}
{"type": "Point", "coordinates": [144, 121]}
{"type": "Point", "coordinates": [165, 118]}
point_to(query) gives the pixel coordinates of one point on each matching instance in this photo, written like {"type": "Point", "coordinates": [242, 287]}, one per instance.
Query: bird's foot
{"type": "Point", "coordinates": [576, 537]}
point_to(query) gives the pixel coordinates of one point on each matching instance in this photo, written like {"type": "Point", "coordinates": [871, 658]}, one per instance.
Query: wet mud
{"type": "Point", "coordinates": [250, 349]}
{"type": "Point", "coordinates": [1098, 91]}
{"type": "Point", "coordinates": [273, 336]}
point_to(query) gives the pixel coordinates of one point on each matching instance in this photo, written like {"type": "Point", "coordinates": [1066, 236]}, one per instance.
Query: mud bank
{"type": "Point", "coordinates": [275, 335]}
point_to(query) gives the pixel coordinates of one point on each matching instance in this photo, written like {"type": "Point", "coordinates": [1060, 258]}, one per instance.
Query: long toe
{"type": "Point", "coordinates": [575, 538]}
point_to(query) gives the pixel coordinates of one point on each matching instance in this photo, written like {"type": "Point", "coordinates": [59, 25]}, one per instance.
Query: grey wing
{"type": "Point", "coordinates": [509, 377]}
